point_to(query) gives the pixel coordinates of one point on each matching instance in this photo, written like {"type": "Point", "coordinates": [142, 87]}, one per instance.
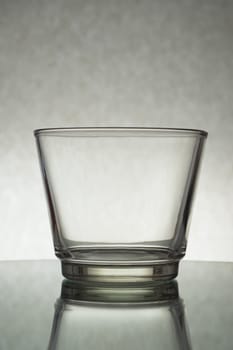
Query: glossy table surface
{"type": "Point", "coordinates": [34, 315]}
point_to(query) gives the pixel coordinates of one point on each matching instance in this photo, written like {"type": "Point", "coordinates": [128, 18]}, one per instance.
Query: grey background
{"type": "Point", "coordinates": [114, 63]}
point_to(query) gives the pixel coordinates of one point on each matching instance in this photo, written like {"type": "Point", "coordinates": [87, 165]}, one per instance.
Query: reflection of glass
{"type": "Point", "coordinates": [99, 317]}
{"type": "Point", "coordinates": [120, 198]}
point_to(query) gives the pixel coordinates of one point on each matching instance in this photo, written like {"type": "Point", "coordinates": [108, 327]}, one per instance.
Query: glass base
{"type": "Point", "coordinates": [165, 270]}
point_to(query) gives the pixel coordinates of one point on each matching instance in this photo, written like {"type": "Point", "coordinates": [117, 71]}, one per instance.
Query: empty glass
{"type": "Point", "coordinates": [120, 199]}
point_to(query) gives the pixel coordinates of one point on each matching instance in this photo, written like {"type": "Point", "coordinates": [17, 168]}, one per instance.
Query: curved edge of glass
{"type": "Point", "coordinates": [170, 131]}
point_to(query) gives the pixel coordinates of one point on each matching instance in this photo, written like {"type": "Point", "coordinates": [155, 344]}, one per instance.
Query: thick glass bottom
{"type": "Point", "coordinates": [161, 270]}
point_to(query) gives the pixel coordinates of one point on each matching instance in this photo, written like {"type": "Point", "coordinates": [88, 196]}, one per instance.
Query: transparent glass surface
{"type": "Point", "coordinates": [120, 198]}
{"type": "Point", "coordinates": [113, 316]}
{"type": "Point", "coordinates": [39, 311]}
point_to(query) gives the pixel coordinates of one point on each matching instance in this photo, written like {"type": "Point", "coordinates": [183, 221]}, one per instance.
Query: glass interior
{"type": "Point", "coordinates": [120, 195]}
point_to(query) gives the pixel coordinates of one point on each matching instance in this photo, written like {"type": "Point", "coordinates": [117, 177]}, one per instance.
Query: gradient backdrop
{"type": "Point", "coordinates": [114, 63]}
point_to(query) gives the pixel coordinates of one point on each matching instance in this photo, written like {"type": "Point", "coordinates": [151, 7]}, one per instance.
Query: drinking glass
{"type": "Point", "coordinates": [120, 199]}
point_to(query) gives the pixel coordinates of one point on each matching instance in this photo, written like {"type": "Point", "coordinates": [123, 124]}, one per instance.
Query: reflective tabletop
{"type": "Point", "coordinates": [41, 310]}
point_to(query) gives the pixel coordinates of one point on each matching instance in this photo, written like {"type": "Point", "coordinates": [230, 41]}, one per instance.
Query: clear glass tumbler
{"type": "Point", "coordinates": [120, 199]}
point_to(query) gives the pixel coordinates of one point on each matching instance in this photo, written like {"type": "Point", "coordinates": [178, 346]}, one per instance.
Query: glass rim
{"type": "Point", "coordinates": [171, 131]}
